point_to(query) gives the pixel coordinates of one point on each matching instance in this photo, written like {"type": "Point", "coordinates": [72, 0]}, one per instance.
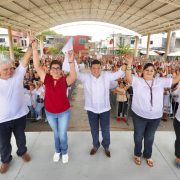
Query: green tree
{"type": "Point", "coordinates": [17, 52]}
{"type": "Point", "coordinates": [57, 46]}
{"type": "Point", "coordinates": [48, 33]}
{"type": "Point", "coordinates": [3, 48]}
{"type": "Point", "coordinates": [123, 49]}
{"type": "Point", "coordinates": [53, 50]}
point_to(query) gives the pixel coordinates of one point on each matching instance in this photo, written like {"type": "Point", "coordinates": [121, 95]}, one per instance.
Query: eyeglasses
{"type": "Point", "coordinates": [57, 68]}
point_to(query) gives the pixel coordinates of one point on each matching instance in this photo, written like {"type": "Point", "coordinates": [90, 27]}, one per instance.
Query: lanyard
{"type": "Point", "coordinates": [150, 88]}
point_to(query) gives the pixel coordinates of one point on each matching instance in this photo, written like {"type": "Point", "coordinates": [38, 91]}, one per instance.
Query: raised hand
{"type": "Point", "coordinates": [129, 59]}
{"type": "Point", "coordinates": [71, 56]}
{"type": "Point", "coordinates": [123, 67]}
{"type": "Point", "coordinates": [34, 44]}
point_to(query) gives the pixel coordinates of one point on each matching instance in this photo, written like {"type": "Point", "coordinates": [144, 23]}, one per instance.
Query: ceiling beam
{"type": "Point", "coordinates": [5, 2]}
{"type": "Point", "coordinates": [27, 10]}
{"type": "Point", "coordinates": [169, 21]}
{"type": "Point", "coordinates": [162, 26]}
{"type": "Point", "coordinates": [124, 11]}
{"type": "Point", "coordinates": [120, 5]}
{"type": "Point", "coordinates": [15, 22]}
{"type": "Point", "coordinates": [41, 10]}
{"type": "Point", "coordinates": [140, 9]}
{"type": "Point", "coordinates": [169, 2]}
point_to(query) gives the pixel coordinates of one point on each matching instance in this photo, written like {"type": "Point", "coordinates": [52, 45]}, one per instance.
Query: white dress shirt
{"type": "Point", "coordinates": [96, 90]}
{"type": "Point", "coordinates": [178, 110]}
{"type": "Point", "coordinates": [141, 96]}
{"type": "Point", "coordinates": [12, 100]}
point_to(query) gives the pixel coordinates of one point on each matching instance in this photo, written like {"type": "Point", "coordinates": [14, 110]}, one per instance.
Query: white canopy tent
{"type": "Point", "coordinates": [151, 53]}
{"type": "Point", "coordinates": [174, 53]}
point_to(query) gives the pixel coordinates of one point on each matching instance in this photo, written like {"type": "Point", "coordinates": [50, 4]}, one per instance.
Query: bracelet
{"type": "Point", "coordinates": [129, 68]}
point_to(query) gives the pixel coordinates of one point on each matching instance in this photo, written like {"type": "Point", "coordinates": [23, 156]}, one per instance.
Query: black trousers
{"type": "Point", "coordinates": [17, 127]}
{"type": "Point", "coordinates": [177, 141]}
{"type": "Point", "coordinates": [122, 108]}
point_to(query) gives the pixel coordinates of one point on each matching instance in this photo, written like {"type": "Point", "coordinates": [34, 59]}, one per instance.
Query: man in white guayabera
{"type": "Point", "coordinates": [96, 89]}
{"type": "Point", "coordinates": [13, 109]}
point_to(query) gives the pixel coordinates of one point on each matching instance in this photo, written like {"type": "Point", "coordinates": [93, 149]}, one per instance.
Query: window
{"type": "Point", "coordinates": [121, 40]}
{"type": "Point", "coordinates": [2, 40]}
{"type": "Point", "coordinates": [22, 42]}
{"type": "Point", "coordinates": [132, 41]}
{"type": "Point", "coordinates": [15, 40]}
{"type": "Point", "coordinates": [82, 40]}
{"type": "Point", "coordinates": [151, 42]}
{"type": "Point", "coordinates": [25, 43]}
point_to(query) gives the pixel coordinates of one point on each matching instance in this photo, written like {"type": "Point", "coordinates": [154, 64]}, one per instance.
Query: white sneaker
{"type": "Point", "coordinates": [38, 118]}
{"type": "Point", "coordinates": [65, 158]}
{"type": "Point", "coordinates": [56, 157]}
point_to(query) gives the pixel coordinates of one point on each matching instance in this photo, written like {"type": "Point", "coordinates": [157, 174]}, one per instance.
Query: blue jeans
{"type": "Point", "coordinates": [32, 111]}
{"type": "Point", "coordinates": [104, 120]}
{"type": "Point", "coordinates": [17, 127]}
{"type": "Point", "coordinates": [59, 124]}
{"type": "Point", "coordinates": [38, 109]}
{"type": "Point", "coordinates": [144, 129]}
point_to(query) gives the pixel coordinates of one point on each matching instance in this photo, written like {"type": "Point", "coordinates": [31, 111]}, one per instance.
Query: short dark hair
{"type": "Point", "coordinates": [56, 62]}
{"type": "Point", "coordinates": [95, 61]}
{"type": "Point", "coordinates": [148, 65]}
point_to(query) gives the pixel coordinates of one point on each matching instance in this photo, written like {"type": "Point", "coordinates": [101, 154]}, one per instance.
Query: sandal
{"type": "Point", "coordinates": [137, 160]}
{"type": "Point", "coordinates": [177, 162]}
{"type": "Point", "coordinates": [150, 162]}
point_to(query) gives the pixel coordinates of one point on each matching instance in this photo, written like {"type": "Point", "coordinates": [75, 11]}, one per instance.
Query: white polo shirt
{"type": "Point", "coordinates": [12, 100]}
{"type": "Point", "coordinates": [141, 96]}
{"type": "Point", "coordinates": [96, 90]}
{"type": "Point", "coordinates": [178, 110]}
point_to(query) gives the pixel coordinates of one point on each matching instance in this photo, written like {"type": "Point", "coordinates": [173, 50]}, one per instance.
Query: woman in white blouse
{"type": "Point", "coordinates": [147, 107]}
{"type": "Point", "coordinates": [177, 131]}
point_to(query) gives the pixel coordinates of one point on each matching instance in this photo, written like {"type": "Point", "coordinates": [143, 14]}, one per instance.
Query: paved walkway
{"type": "Point", "coordinates": [82, 166]}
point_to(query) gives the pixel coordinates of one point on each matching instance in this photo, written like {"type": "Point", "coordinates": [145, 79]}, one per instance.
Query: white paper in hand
{"type": "Point", "coordinates": [68, 47]}
{"type": "Point", "coordinates": [65, 66]}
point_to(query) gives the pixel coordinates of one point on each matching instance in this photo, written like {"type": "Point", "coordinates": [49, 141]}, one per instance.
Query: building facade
{"type": "Point", "coordinates": [79, 43]}
{"type": "Point", "coordinates": [19, 38]}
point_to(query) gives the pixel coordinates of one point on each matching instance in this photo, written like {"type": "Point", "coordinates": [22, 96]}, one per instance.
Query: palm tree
{"type": "Point", "coordinates": [123, 49]}
{"type": "Point", "coordinates": [3, 48]}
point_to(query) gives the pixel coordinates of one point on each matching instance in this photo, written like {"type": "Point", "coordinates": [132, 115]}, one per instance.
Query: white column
{"type": "Point", "coordinates": [41, 46]}
{"type": "Point", "coordinates": [168, 43]}
{"type": "Point", "coordinates": [148, 44]}
{"type": "Point", "coordinates": [136, 46]}
{"type": "Point", "coordinates": [10, 43]}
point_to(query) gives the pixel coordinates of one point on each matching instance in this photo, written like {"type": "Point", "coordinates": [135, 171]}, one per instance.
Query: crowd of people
{"type": "Point", "coordinates": [41, 84]}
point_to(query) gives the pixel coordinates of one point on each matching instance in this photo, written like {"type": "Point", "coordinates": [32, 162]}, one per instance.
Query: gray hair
{"type": "Point", "coordinates": [5, 59]}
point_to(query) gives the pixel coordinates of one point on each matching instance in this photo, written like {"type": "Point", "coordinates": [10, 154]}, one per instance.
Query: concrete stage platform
{"type": "Point", "coordinates": [82, 166]}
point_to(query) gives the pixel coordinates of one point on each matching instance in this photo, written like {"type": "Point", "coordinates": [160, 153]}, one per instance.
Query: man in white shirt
{"type": "Point", "coordinates": [13, 109]}
{"type": "Point", "coordinates": [96, 89]}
